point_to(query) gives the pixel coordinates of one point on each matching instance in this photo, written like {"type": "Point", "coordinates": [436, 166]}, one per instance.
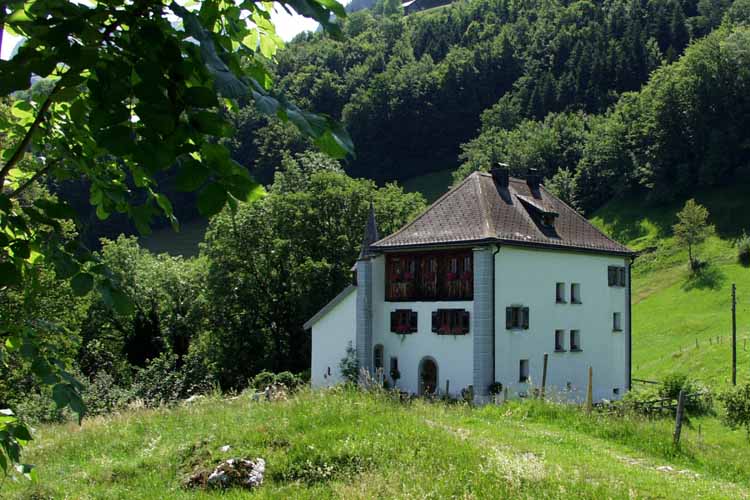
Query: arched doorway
{"type": "Point", "coordinates": [428, 376]}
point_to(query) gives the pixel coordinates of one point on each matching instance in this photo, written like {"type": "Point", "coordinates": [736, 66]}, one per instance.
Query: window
{"type": "Point", "coordinates": [517, 317]}
{"type": "Point", "coordinates": [430, 276]}
{"type": "Point", "coordinates": [377, 356]}
{"type": "Point", "coordinates": [450, 322]}
{"type": "Point", "coordinates": [575, 293]}
{"type": "Point", "coordinates": [523, 371]}
{"type": "Point", "coordinates": [575, 340]}
{"type": "Point", "coordinates": [616, 276]}
{"type": "Point", "coordinates": [395, 374]}
{"type": "Point", "coordinates": [616, 391]}
{"type": "Point", "coordinates": [616, 322]}
{"type": "Point", "coordinates": [403, 321]}
{"type": "Point", "coordinates": [560, 340]}
{"type": "Point", "coordinates": [560, 293]}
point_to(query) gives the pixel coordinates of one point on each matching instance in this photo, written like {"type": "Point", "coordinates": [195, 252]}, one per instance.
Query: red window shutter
{"type": "Point", "coordinates": [464, 321]}
{"type": "Point", "coordinates": [434, 321]}
{"type": "Point", "coordinates": [622, 276]}
{"type": "Point", "coordinates": [394, 320]}
{"type": "Point", "coordinates": [525, 311]}
{"type": "Point", "coordinates": [508, 318]}
{"type": "Point", "coordinates": [412, 321]}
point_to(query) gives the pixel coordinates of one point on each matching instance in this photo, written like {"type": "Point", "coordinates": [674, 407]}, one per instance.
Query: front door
{"type": "Point", "coordinates": [427, 376]}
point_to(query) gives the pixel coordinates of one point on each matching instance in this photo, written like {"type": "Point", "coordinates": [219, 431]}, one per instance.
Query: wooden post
{"type": "Point", "coordinates": [590, 391]}
{"type": "Point", "coordinates": [544, 375]}
{"type": "Point", "coordinates": [734, 334]}
{"type": "Point", "coordinates": [678, 418]}
{"type": "Point", "coordinates": [447, 389]}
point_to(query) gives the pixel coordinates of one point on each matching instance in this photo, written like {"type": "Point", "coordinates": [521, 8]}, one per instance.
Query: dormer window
{"type": "Point", "coordinates": [542, 214]}
{"type": "Point", "coordinates": [547, 220]}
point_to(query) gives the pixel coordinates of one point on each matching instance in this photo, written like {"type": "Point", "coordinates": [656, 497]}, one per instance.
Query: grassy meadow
{"type": "Point", "coordinates": [347, 444]}
{"type": "Point", "coordinates": [673, 309]}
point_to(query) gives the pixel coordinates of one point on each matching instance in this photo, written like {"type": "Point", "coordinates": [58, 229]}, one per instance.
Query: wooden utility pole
{"type": "Point", "coordinates": [678, 418]}
{"type": "Point", "coordinates": [544, 374]}
{"type": "Point", "coordinates": [590, 391]}
{"type": "Point", "coordinates": [734, 334]}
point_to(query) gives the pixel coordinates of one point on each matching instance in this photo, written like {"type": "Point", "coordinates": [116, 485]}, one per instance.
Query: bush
{"type": "Point", "coordinates": [263, 380]}
{"type": "Point", "coordinates": [103, 395]}
{"type": "Point", "coordinates": [743, 249]}
{"type": "Point", "coordinates": [495, 388]}
{"type": "Point", "coordinates": [289, 379]}
{"type": "Point", "coordinates": [737, 404]}
{"type": "Point", "coordinates": [349, 365]}
{"type": "Point", "coordinates": [675, 382]}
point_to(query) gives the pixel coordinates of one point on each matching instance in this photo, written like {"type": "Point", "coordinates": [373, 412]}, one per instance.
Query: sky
{"type": "Point", "coordinates": [287, 26]}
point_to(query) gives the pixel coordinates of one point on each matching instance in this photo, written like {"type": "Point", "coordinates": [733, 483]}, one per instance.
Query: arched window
{"type": "Point", "coordinates": [378, 357]}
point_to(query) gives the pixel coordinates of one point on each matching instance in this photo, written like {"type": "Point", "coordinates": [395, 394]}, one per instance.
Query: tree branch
{"type": "Point", "coordinates": [33, 178]}
{"type": "Point", "coordinates": [18, 153]}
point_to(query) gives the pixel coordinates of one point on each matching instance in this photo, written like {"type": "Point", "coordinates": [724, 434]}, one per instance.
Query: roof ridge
{"type": "Point", "coordinates": [584, 219]}
{"type": "Point", "coordinates": [449, 193]}
{"type": "Point", "coordinates": [489, 232]}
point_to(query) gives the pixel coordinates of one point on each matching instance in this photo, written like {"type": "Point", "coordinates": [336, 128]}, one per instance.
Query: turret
{"type": "Point", "coordinates": [364, 293]}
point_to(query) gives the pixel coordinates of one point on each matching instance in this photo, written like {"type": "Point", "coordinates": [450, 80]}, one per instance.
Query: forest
{"type": "Point", "coordinates": [603, 98]}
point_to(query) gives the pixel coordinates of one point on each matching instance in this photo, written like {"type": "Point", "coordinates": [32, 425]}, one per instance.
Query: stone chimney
{"type": "Point", "coordinates": [533, 179]}
{"type": "Point", "coordinates": [501, 174]}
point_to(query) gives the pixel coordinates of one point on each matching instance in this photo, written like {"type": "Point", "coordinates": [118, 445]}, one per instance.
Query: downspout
{"type": "Point", "coordinates": [494, 344]}
{"type": "Point", "coordinates": [629, 353]}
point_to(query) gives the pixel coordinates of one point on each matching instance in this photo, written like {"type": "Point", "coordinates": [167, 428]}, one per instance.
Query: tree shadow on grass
{"type": "Point", "coordinates": [708, 276]}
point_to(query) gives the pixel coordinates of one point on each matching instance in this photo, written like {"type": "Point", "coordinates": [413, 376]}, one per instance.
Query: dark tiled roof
{"type": "Point", "coordinates": [480, 211]}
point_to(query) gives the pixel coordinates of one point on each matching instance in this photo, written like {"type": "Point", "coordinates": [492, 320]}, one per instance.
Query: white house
{"type": "Point", "coordinates": [477, 289]}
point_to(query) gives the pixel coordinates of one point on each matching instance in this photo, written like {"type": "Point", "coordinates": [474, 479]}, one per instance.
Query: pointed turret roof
{"type": "Point", "coordinates": [480, 210]}
{"type": "Point", "coordinates": [371, 234]}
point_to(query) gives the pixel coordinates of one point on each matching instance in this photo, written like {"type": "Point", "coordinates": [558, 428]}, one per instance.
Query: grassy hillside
{"type": "Point", "coordinates": [432, 185]}
{"type": "Point", "coordinates": [345, 444]}
{"type": "Point", "coordinates": [673, 309]}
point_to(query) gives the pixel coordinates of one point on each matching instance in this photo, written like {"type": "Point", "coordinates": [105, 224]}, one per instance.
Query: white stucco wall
{"type": "Point", "coordinates": [452, 353]}
{"type": "Point", "coordinates": [331, 335]}
{"type": "Point", "coordinates": [528, 277]}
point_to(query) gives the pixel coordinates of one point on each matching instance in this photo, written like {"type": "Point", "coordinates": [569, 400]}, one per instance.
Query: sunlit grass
{"type": "Point", "coordinates": [347, 444]}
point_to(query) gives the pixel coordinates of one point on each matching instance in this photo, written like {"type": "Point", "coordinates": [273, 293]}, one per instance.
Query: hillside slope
{"type": "Point", "coordinates": [344, 444]}
{"type": "Point", "coordinates": [678, 317]}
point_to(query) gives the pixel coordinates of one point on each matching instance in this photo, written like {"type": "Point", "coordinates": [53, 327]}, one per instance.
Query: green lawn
{"type": "Point", "coordinates": [345, 444]}
{"type": "Point", "coordinates": [185, 242]}
{"type": "Point", "coordinates": [673, 309]}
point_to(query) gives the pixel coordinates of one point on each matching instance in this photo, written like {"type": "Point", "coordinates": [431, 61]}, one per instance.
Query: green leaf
{"type": "Point", "coordinates": [82, 283]}
{"type": "Point", "coordinates": [9, 275]}
{"type": "Point", "coordinates": [201, 97]}
{"type": "Point", "coordinates": [20, 249]}
{"type": "Point", "coordinates": [212, 199]}
{"type": "Point", "coordinates": [245, 189]}
{"type": "Point", "coordinates": [117, 140]}
{"type": "Point", "coordinates": [164, 204]}
{"type": "Point", "coordinates": [22, 432]}
{"type": "Point", "coordinates": [210, 123]}
{"type": "Point", "coordinates": [191, 175]}
{"type": "Point", "coordinates": [115, 299]}
{"type": "Point", "coordinates": [56, 209]}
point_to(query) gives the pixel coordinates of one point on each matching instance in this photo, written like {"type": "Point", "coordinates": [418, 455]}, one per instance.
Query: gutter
{"type": "Point", "coordinates": [629, 352]}
{"type": "Point", "coordinates": [494, 311]}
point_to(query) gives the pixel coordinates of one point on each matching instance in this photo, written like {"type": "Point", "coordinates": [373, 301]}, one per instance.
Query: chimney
{"type": "Point", "coordinates": [501, 174]}
{"type": "Point", "coordinates": [533, 178]}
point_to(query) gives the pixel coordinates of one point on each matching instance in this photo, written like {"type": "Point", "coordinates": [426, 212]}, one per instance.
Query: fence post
{"type": "Point", "coordinates": [544, 375]}
{"type": "Point", "coordinates": [590, 391]}
{"type": "Point", "coordinates": [678, 418]}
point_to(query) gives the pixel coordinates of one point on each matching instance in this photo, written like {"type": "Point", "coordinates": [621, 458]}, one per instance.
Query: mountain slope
{"type": "Point", "coordinates": [673, 310]}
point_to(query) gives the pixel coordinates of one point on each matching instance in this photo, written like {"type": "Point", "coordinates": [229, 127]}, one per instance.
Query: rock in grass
{"type": "Point", "coordinates": [237, 472]}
